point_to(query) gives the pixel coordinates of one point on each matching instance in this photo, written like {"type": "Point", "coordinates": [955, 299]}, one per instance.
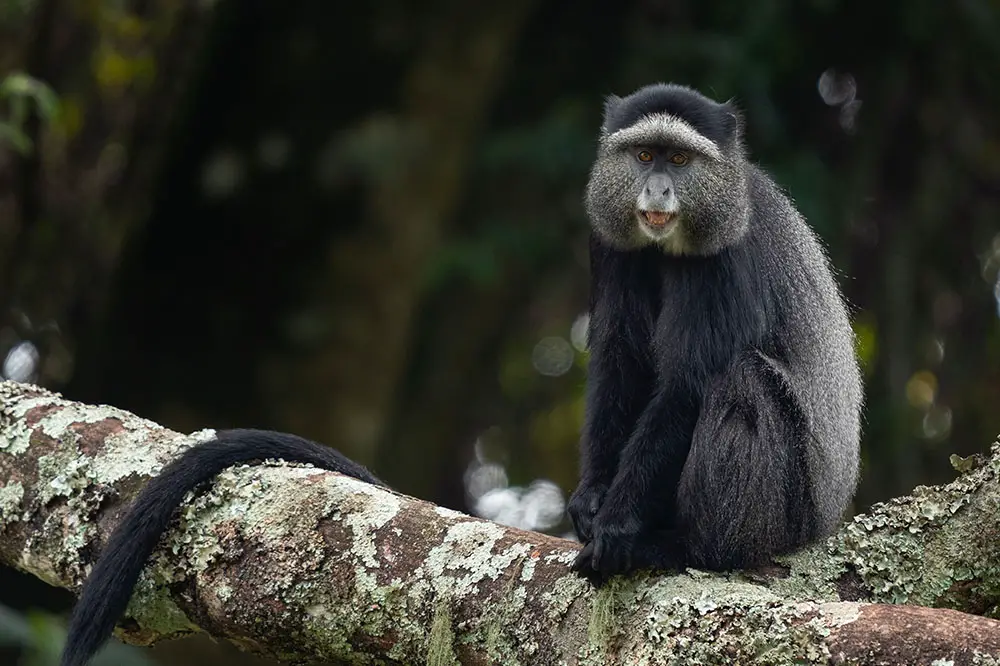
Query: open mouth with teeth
{"type": "Point", "coordinates": [657, 219]}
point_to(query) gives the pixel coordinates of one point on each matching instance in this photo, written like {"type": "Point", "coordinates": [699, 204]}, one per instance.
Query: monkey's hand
{"type": "Point", "coordinates": [584, 504]}
{"type": "Point", "coordinates": [615, 530]}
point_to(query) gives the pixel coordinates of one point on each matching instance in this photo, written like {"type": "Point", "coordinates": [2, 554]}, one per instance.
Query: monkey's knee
{"type": "Point", "coordinates": [744, 491]}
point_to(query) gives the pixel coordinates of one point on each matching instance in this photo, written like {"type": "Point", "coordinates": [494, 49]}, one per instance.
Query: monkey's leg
{"type": "Point", "coordinates": [744, 494]}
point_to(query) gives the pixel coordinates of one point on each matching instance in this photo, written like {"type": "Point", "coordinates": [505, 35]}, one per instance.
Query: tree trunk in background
{"type": "Point", "coordinates": [913, 280]}
{"type": "Point", "coordinates": [67, 207]}
{"type": "Point", "coordinates": [372, 285]}
{"type": "Point", "coordinates": [451, 374]}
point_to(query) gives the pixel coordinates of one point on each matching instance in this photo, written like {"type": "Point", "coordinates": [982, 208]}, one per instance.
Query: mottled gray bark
{"type": "Point", "coordinates": [308, 565]}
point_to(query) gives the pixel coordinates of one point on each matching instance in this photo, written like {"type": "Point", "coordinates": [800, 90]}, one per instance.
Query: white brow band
{"type": "Point", "coordinates": [662, 128]}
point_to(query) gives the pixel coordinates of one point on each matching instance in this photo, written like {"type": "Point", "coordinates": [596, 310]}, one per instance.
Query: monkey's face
{"type": "Point", "coordinates": [661, 182]}
{"type": "Point", "coordinates": [658, 170]}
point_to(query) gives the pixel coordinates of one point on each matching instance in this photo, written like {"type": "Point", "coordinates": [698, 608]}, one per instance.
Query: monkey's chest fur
{"type": "Point", "coordinates": [703, 311]}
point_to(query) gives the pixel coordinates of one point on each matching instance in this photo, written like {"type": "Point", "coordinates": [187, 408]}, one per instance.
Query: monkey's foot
{"type": "Point", "coordinates": [583, 566]}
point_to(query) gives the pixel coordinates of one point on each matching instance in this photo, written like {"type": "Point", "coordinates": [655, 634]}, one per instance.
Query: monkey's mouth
{"type": "Point", "coordinates": [657, 219]}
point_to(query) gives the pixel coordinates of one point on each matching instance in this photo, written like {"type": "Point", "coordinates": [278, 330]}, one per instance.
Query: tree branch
{"type": "Point", "coordinates": [308, 565]}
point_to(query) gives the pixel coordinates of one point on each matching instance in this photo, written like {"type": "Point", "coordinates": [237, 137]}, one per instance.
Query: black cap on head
{"type": "Point", "coordinates": [718, 122]}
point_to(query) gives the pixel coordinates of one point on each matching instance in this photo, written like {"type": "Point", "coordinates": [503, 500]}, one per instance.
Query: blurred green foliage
{"type": "Point", "coordinates": [39, 638]}
{"type": "Point", "coordinates": [21, 94]}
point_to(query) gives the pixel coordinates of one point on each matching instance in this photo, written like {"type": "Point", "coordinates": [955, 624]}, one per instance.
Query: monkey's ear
{"type": "Point", "coordinates": [732, 119]}
{"type": "Point", "coordinates": [611, 104]}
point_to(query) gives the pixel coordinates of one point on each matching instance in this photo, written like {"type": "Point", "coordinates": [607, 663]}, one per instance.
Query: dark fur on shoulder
{"type": "Point", "coordinates": [723, 394]}
{"type": "Point", "coordinates": [719, 122]}
{"type": "Point", "coordinates": [108, 589]}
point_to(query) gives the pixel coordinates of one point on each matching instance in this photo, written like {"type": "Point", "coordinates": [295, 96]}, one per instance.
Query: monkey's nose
{"type": "Point", "coordinates": [658, 185]}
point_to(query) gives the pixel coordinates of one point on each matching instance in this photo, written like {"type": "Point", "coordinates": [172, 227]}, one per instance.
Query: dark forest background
{"type": "Point", "coordinates": [362, 222]}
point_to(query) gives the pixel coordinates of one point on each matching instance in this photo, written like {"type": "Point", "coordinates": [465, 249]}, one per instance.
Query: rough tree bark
{"type": "Point", "coordinates": [307, 565]}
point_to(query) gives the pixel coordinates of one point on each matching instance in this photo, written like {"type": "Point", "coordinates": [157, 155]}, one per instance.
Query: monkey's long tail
{"type": "Point", "coordinates": [108, 589]}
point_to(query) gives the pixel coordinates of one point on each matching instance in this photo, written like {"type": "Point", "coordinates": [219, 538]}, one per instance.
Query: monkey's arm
{"type": "Point", "coordinates": [619, 379]}
{"type": "Point", "coordinates": [612, 408]}
{"type": "Point", "coordinates": [649, 470]}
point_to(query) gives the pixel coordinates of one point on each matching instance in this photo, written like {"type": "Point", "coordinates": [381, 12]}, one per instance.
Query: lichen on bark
{"type": "Point", "coordinates": [308, 565]}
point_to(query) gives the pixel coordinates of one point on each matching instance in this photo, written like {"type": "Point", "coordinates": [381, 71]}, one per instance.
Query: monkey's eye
{"type": "Point", "coordinates": [644, 156]}
{"type": "Point", "coordinates": [679, 159]}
